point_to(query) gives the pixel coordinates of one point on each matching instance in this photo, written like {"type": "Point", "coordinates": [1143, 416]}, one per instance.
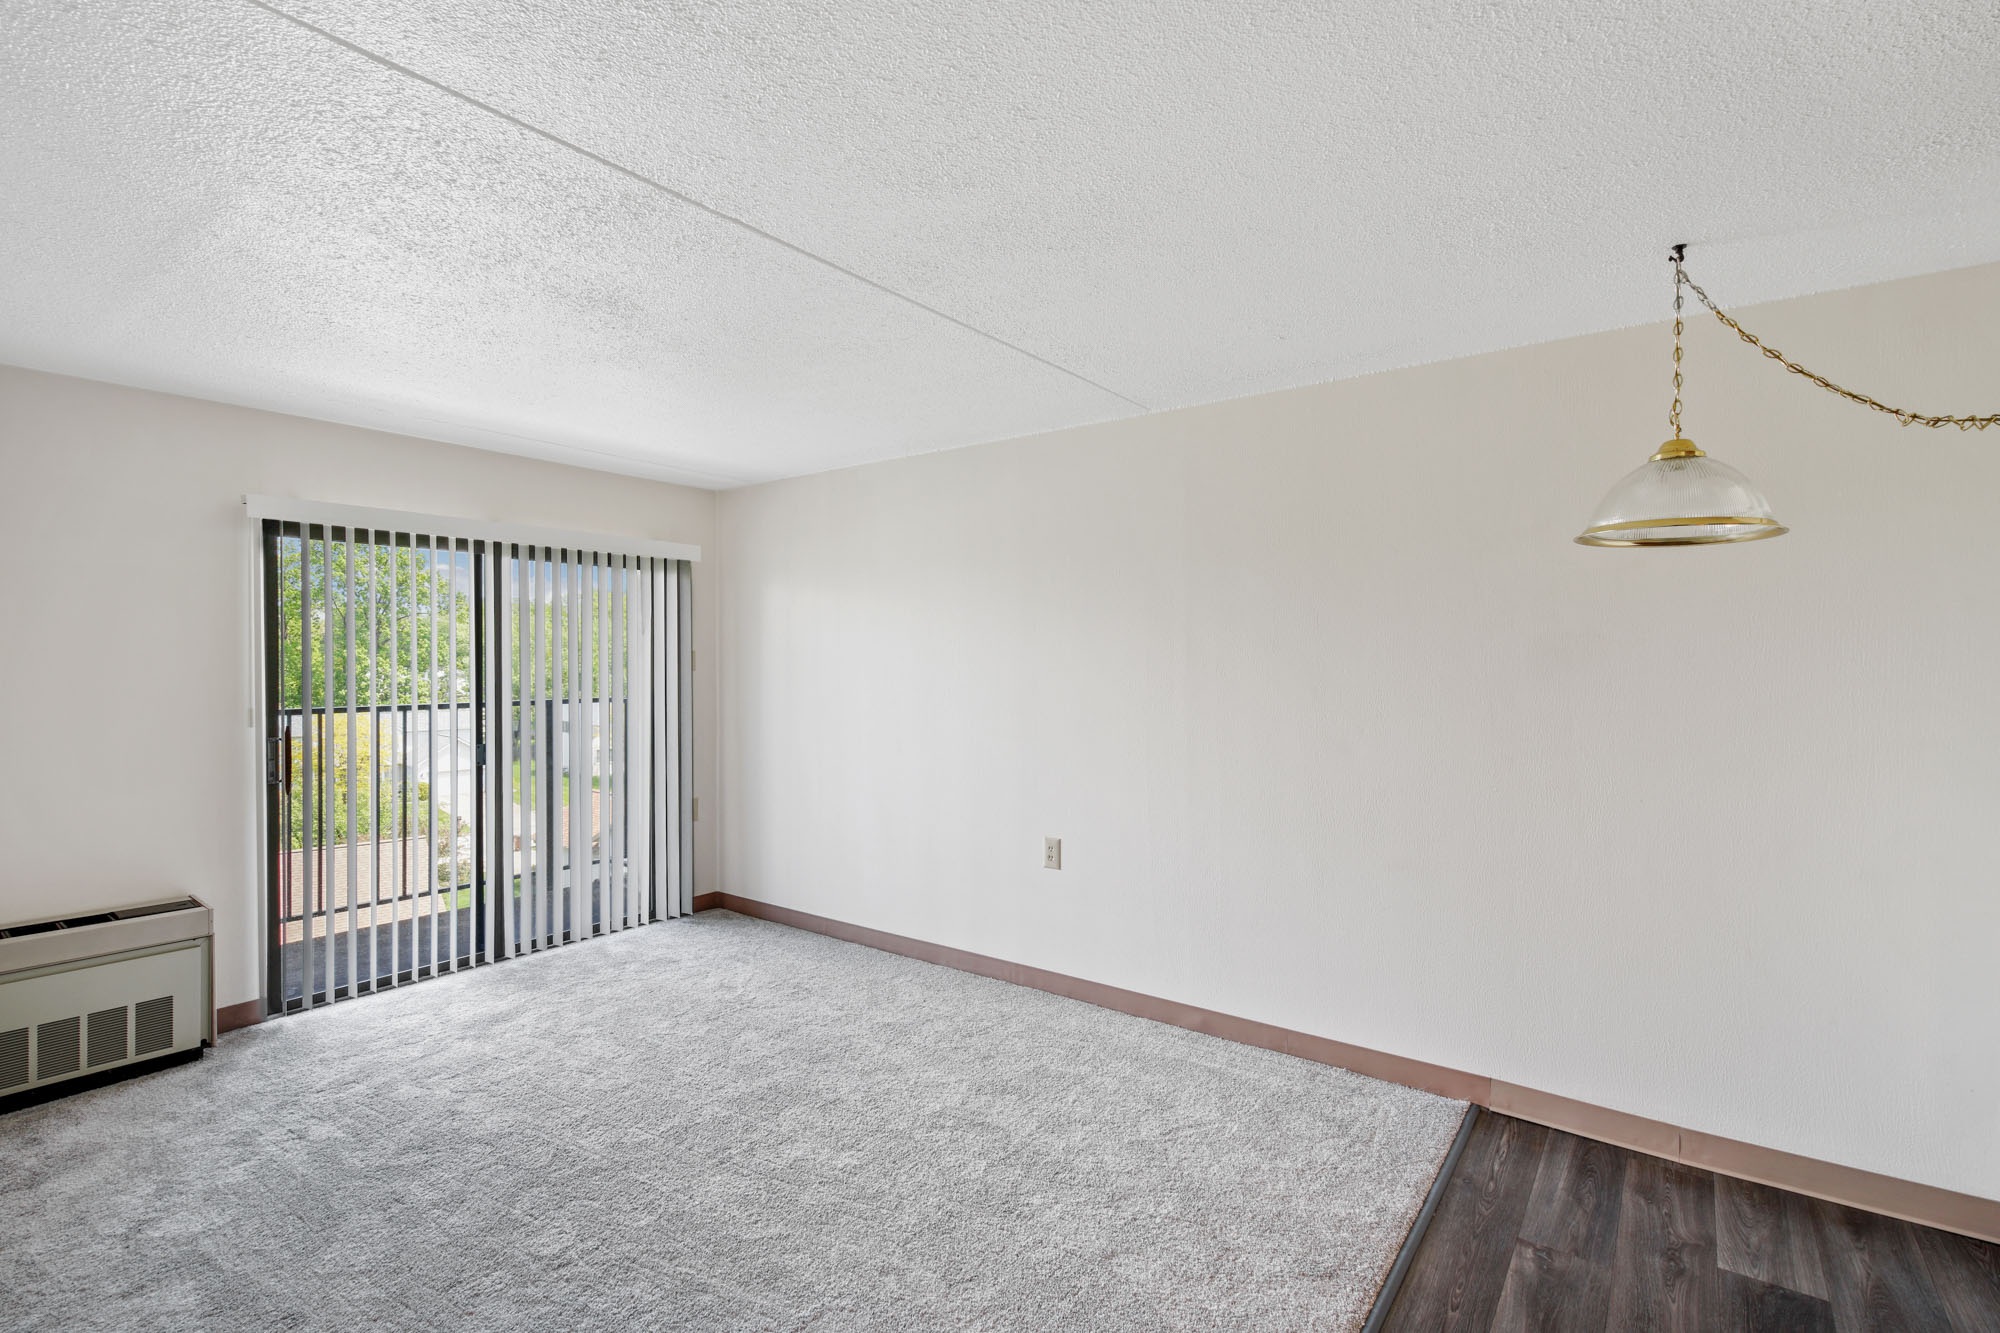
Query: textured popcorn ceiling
{"type": "Point", "coordinates": [731, 241]}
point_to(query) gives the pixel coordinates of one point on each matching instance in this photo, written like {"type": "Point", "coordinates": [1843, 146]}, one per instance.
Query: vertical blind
{"type": "Point", "coordinates": [475, 748]}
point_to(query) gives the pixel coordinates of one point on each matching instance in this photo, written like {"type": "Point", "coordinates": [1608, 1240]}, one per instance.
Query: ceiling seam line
{"type": "Point", "coordinates": [687, 199]}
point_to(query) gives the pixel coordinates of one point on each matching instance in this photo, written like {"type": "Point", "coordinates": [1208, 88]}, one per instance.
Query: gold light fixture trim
{"type": "Point", "coordinates": [1677, 449]}
{"type": "Point", "coordinates": [1756, 529]}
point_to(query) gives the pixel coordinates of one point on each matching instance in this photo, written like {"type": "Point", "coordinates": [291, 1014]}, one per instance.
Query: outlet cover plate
{"type": "Point", "coordinates": [1052, 853]}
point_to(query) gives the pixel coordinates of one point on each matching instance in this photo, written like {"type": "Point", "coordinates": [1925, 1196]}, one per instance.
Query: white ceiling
{"type": "Point", "coordinates": [743, 239]}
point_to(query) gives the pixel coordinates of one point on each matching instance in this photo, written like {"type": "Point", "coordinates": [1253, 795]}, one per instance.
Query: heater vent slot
{"type": "Point", "coordinates": [153, 1025]}
{"type": "Point", "coordinates": [13, 1058]}
{"type": "Point", "coordinates": [106, 1031]}
{"type": "Point", "coordinates": [58, 1048]}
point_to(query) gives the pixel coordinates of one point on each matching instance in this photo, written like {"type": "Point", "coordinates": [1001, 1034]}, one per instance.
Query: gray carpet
{"type": "Point", "coordinates": [715, 1123]}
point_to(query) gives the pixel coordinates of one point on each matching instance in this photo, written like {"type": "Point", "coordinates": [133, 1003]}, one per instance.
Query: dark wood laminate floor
{"type": "Point", "coordinates": [1538, 1229]}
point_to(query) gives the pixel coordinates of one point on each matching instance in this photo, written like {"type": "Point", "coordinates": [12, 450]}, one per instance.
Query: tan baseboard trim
{"type": "Point", "coordinates": [1654, 1137]}
{"type": "Point", "coordinates": [1391, 1068]}
{"type": "Point", "coordinates": [1926, 1205]}
{"type": "Point", "coordinates": [229, 1017]}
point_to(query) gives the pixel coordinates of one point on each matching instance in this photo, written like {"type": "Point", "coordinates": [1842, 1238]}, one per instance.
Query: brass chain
{"type": "Point", "coordinates": [1903, 417]}
{"type": "Point", "coordinates": [1674, 412]}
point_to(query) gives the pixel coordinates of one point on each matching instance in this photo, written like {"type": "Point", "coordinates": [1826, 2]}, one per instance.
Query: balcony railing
{"type": "Point", "coordinates": [403, 881]}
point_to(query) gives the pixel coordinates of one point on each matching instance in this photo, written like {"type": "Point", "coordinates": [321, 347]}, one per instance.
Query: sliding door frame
{"type": "Point", "coordinates": [278, 769]}
{"type": "Point", "coordinates": [491, 932]}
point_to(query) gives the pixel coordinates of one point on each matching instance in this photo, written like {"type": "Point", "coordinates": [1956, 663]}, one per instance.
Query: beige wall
{"type": "Point", "coordinates": [1342, 733]}
{"type": "Point", "coordinates": [125, 679]}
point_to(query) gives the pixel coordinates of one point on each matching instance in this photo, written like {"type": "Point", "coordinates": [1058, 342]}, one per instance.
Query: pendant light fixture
{"type": "Point", "coordinates": [1681, 496]}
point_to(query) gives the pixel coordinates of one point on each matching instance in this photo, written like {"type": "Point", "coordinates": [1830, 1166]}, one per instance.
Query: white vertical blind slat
{"type": "Point", "coordinates": [601, 735]}
{"type": "Point", "coordinates": [579, 744]}
{"type": "Point", "coordinates": [484, 622]}
{"type": "Point", "coordinates": [413, 884]}
{"type": "Point", "coordinates": [324, 967]}
{"type": "Point", "coordinates": [656, 773]}
{"type": "Point", "coordinates": [525, 651]}
{"type": "Point", "coordinates": [308, 785]}
{"type": "Point", "coordinates": [398, 835]}
{"type": "Point", "coordinates": [548, 781]}
{"type": "Point", "coordinates": [681, 672]}
{"type": "Point", "coordinates": [455, 737]}
{"type": "Point", "coordinates": [607, 677]}
{"type": "Point", "coordinates": [638, 761]}
{"type": "Point", "coordinates": [353, 782]}
{"type": "Point", "coordinates": [672, 697]}
{"type": "Point", "coordinates": [500, 711]}
{"type": "Point", "coordinates": [530, 831]}
{"type": "Point", "coordinates": [431, 751]}
{"type": "Point", "coordinates": [525, 784]}
{"type": "Point", "coordinates": [621, 615]}
{"type": "Point", "coordinates": [374, 960]}
{"type": "Point", "coordinates": [560, 731]}
{"type": "Point", "coordinates": [578, 755]}
{"type": "Point", "coordinates": [554, 788]}
{"type": "Point", "coordinates": [496, 745]}
{"type": "Point", "coordinates": [614, 823]}
{"type": "Point", "coordinates": [678, 833]}
{"type": "Point", "coordinates": [621, 689]}
{"type": "Point", "coordinates": [667, 775]}
{"type": "Point", "coordinates": [596, 913]}
{"type": "Point", "coordinates": [531, 775]}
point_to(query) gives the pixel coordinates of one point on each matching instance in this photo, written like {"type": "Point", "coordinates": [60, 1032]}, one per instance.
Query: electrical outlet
{"type": "Point", "coordinates": [1052, 853]}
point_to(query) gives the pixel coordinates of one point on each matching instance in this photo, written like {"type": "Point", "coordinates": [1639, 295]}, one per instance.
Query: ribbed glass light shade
{"type": "Point", "coordinates": [1681, 497]}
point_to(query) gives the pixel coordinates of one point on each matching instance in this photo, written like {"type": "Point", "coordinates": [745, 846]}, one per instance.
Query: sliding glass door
{"type": "Point", "coordinates": [474, 749]}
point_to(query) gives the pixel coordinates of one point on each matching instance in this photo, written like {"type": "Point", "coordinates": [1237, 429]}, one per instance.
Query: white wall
{"type": "Point", "coordinates": [127, 609]}
{"type": "Point", "coordinates": [1342, 733]}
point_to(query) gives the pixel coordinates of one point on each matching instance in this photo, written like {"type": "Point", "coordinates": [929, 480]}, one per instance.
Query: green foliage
{"type": "Point", "coordinates": [381, 808]}
{"type": "Point", "coordinates": [377, 804]}
{"type": "Point", "coordinates": [405, 603]}
{"type": "Point", "coordinates": [391, 591]}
